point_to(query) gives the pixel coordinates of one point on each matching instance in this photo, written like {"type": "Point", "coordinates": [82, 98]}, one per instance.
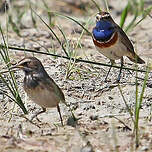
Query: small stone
{"type": "Point", "coordinates": [87, 148]}
{"type": "Point", "coordinates": [99, 103]}
{"type": "Point", "coordinates": [72, 121]}
{"type": "Point", "coordinates": [110, 98]}
{"type": "Point", "coordinates": [94, 117]}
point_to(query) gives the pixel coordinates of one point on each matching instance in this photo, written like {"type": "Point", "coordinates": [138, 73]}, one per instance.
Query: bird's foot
{"type": "Point", "coordinates": [29, 120]}
{"type": "Point", "coordinates": [38, 113]}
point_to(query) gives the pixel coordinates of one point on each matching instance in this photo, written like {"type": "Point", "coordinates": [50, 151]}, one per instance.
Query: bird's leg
{"type": "Point", "coordinates": [38, 113]}
{"type": "Point", "coordinates": [58, 108]}
{"type": "Point", "coordinates": [112, 62]}
{"type": "Point", "coordinates": [119, 76]}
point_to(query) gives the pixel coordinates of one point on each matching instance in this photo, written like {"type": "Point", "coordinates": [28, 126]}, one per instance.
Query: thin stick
{"type": "Point", "coordinates": [77, 60]}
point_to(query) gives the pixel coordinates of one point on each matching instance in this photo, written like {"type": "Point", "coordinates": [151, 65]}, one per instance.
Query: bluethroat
{"type": "Point", "coordinates": [110, 40]}
{"type": "Point", "coordinates": [39, 86]}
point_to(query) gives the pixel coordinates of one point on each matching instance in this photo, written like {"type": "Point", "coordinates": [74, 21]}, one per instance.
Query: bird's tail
{"type": "Point", "coordinates": [136, 59]}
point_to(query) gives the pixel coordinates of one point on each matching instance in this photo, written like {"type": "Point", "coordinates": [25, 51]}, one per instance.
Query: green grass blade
{"type": "Point", "coordinates": [11, 81]}
{"type": "Point", "coordinates": [16, 96]}
{"type": "Point", "coordinates": [98, 7]}
{"type": "Point", "coordinates": [14, 26]}
{"type": "Point", "coordinates": [106, 5]}
{"type": "Point", "coordinates": [128, 109]}
{"type": "Point", "coordinates": [33, 18]}
{"type": "Point", "coordinates": [65, 16]}
{"type": "Point", "coordinates": [52, 32]}
{"type": "Point", "coordinates": [132, 22]}
{"type": "Point", "coordinates": [63, 34]}
{"type": "Point", "coordinates": [50, 15]}
{"type": "Point", "coordinates": [138, 107]}
{"type": "Point", "coordinates": [124, 15]}
{"type": "Point", "coordinates": [145, 13]}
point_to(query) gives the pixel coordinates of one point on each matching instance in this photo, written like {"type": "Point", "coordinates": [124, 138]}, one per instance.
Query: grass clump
{"type": "Point", "coordinates": [9, 80]}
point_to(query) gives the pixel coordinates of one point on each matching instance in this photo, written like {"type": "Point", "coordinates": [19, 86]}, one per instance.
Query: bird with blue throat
{"type": "Point", "coordinates": [111, 41]}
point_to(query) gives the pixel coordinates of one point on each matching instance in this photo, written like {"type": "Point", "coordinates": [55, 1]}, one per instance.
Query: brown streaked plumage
{"type": "Point", "coordinates": [39, 86]}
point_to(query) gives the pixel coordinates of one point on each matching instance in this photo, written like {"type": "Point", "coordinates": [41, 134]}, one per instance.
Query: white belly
{"type": "Point", "coordinates": [43, 97]}
{"type": "Point", "coordinates": [115, 51]}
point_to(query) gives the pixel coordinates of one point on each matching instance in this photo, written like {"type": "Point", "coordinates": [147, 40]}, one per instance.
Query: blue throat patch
{"type": "Point", "coordinates": [103, 31]}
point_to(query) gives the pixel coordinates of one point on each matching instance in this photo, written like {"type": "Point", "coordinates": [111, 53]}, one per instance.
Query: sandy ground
{"type": "Point", "coordinates": [104, 123]}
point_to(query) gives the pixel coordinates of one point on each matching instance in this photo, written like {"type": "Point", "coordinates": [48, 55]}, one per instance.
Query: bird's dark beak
{"type": "Point", "coordinates": [17, 66]}
{"type": "Point", "coordinates": [22, 67]}
{"type": "Point", "coordinates": [13, 68]}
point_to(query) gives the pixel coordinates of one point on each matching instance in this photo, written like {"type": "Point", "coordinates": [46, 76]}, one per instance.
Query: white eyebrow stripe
{"type": "Point", "coordinates": [106, 15]}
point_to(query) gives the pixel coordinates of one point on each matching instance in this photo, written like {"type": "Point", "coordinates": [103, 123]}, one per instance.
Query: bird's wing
{"type": "Point", "coordinates": [125, 40]}
{"type": "Point", "coordinates": [52, 86]}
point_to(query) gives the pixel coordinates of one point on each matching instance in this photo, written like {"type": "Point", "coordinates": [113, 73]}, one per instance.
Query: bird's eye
{"type": "Point", "coordinates": [98, 17]}
{"type": "Point", "coordinates": [25, 64]}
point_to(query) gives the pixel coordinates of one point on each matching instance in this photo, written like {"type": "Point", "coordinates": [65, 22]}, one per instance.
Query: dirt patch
{"type": "Point", "coordinates": [104, 123]}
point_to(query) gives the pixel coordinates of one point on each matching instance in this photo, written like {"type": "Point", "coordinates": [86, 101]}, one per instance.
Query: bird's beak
{"type": "Point", "coordinates": [18, 66]}
{"type": "Point", "coordinates": [13, 68]}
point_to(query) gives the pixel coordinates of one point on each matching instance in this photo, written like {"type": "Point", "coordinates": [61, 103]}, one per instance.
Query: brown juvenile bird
{"type": "Point", "coordinates": [39, 86]}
